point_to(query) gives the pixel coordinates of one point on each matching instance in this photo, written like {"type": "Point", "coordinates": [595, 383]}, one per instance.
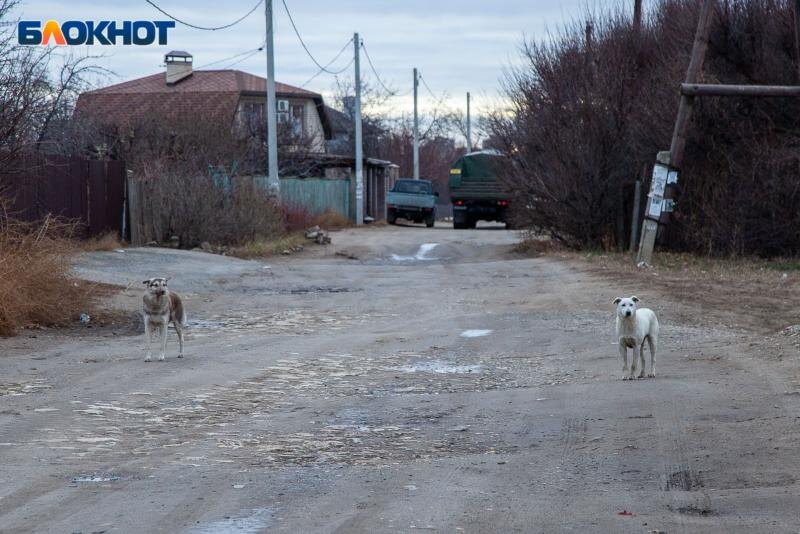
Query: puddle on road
{"type": "Point", "coordinates": [476, 333]}
{"type": "Point", "coordinates": [440, 367]}
{"type": "Point", "coordinates": [251, 522]}
{"type": "Point", "coordinates": [421, 255]}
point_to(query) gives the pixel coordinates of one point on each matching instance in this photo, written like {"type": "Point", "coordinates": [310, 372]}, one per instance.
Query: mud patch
{"type": "Point", "coordinates": [683, 480]}
{"type": "Point", "coordinates": [15, 389]}
{"type": "Point", "coordinates": [171, 419]}
{"type": "Point", "coordinates": [363, 438]}
{"type": "Point", "coordinates": [291, 322]}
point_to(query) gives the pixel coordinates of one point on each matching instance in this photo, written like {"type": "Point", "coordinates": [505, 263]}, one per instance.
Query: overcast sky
{"type": "Point", "coordinates": [458, 46]}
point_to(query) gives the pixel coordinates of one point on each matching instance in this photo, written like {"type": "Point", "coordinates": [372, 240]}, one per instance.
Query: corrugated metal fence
{"type": "Point", "coordinates": [87, 190]}
{"type": "Point", "coordinates": [317, 195]}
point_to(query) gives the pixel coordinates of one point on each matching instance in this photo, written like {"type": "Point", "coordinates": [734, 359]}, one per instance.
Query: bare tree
{"type": "Point", "coordinates": [35, 105]}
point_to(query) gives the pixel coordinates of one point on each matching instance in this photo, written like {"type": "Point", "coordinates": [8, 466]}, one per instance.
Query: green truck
{"type": "Point", "coordinates": [475, 190]}
{"type": "Point", "coordinates": [414, 200]}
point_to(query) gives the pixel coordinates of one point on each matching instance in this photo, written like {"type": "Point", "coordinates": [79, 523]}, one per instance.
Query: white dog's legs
{"type": "Point", "coordinates": [179, 331]}
{"type": "Point", "coordinates": [653, 347]}
{"type": "Point", "coordinates": [623, 351]}
{"type": "Point", "coordinates": [148, 337]}
{"type": "Point", "coordinates": [637, 354]}
{"type": "Point", "coordinates": [164, 330]}
{"type": "Point", "coordinates": [641, 360]}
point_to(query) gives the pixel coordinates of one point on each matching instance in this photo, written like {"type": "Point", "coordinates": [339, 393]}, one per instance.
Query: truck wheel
{"type": "Point", "coordinates": [430, 222]}
{"type": "Point", "coordinates": [472, 223]}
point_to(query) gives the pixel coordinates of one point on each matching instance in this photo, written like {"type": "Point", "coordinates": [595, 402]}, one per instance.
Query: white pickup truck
{"type": "Point", "coordinates": [413, 200]}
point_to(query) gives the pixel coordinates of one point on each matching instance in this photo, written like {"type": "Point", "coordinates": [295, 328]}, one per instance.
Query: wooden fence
{"type": "Point", "coordinates": [87, 190]}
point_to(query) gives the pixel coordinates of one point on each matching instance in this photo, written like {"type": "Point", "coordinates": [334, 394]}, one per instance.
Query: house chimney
{"type": "Point", "coordinates": [179, 66]}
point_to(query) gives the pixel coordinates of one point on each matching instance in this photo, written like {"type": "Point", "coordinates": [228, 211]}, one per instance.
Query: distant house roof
{"type": "Point", "coordinates": [204, 95]}
{"type": "Point", "coordinates": [341, 123]}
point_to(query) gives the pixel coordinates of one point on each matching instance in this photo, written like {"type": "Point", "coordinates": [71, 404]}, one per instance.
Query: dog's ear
{"type": "Point", "coordinates": [635, 298]}
{"type": "Point", "coordinates": [167, 279]}
{"type": "Point", "coordinates": [145, 282]}
{"type": "Point", "coordinates": [617, 300]}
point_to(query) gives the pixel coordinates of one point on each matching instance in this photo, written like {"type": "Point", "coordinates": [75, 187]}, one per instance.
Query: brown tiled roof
{"type": "Point", "coordinates": [203, 81]}
{"type": "Point", "coordinates": [205, 95]}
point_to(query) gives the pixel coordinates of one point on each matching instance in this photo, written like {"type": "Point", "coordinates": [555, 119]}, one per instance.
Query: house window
{"type": "Point", "coordinates": [297, 120]}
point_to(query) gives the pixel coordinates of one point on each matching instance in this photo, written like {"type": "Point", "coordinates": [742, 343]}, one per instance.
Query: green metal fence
{"type": "Point", "coordinates": [317, 195]}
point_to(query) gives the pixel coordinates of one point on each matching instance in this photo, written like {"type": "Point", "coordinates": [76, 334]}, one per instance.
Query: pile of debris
{"type": "Point", "coordinates": [318, 236]}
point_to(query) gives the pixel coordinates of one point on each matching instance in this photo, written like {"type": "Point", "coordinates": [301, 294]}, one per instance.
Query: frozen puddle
{"type": "Point", "coordinates": [476, 333]}
{"type": "Point", "coordinates": [440, 367]}
{"type": "Point", "coordinates": [256, 521]}
{"type": "Point", "coordinates": [421, 255]}
{"type": "Point", "coordinates": [97, 477]}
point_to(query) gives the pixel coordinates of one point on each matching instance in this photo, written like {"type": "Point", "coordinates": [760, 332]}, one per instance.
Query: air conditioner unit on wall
{"type": "Point", "coordinates": [283, 105]}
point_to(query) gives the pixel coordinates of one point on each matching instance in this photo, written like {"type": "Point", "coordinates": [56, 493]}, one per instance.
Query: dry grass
{"type": "Point", "coordinates": [36, 287]}
{"type": "Point", "coordinates": [102, 243]}
{"type": "Point", "coordinates": [743, 292]}
{"type": "Point", "coordinates": [706, 268]}
{"type": "Point", "coordinates": [533, 245]}
{"type": "Point", "coordinates": [331, 220]}
{"type": "Point", "coordinates": [262, 248]}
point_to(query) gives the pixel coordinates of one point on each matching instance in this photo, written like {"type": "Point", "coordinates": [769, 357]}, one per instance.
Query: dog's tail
{"type": "Point", "coordinates": [178, 312]}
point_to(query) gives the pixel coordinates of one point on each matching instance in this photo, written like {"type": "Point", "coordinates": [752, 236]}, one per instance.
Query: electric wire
{"type": "Point", "coordinates": [377, 77]}
{"type": "Point", "coordinates": [259, 49]}
{"type": "Point", "coordinates": [207, 28]}
{"type": "Point", "coordinates": [433, 95]}
{"type": "Point", "coordinates": [303, 43]}
{"type": "Point", "coordinates": [248, 56]}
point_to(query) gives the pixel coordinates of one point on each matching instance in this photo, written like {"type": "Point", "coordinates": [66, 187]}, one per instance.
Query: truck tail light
{"type": "Point", "coordinates": [459, 202]}
{"type": "Point", "coordinates": [503, 202]}
{"type": "Point", "coordinates": [427, 209]}
{"type": "Point", "coordinates": [390, 206]}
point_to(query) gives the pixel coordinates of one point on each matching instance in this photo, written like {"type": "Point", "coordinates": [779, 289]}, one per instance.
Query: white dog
{"type": "Point", "coordinates": [161, 307]}
{"type": "Point", "coordinates": [634, 326]}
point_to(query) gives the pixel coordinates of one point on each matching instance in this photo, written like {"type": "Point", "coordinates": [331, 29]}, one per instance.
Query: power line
{"type": "Point", "coordinates": [436, 98]}
{"type": "Point", "coordinates": [208, 28]}
{"type": "Point", "coordinates": [259, 49]}
{"type": "Point", "coordinates": [349, 64]}
{"type": "Point", "coordinates": [303, 43]}
{"type": "Point", "coordinates": [377, 77]}
{"type": "Point", "coordinates": [329, 63]}
{"type": "Point", "coordinates": [248, 56]}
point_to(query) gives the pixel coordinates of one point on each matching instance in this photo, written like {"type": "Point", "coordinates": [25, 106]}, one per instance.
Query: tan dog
{"type": "Point", "coordinates": [161, 307]}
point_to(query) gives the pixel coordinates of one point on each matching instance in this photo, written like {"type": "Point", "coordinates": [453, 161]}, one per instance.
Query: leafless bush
{"type": "Point", "coordinates": [198, 207]}
{"type": "Point", "coordinates": [590, 109]}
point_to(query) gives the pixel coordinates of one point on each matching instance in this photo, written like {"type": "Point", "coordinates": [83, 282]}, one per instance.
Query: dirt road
{"type": "Point", "coordinates": [402, 379]}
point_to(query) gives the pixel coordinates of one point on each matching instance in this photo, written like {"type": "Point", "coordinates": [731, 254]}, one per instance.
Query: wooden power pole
{"type": "Point", "coordinates": [663, 186]}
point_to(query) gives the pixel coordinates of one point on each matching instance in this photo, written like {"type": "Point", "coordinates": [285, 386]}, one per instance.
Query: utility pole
{"type": "Point", "coordinates": [797, 32]}
{"type": "Point", "coordinates": [273, 181]}
{"type": "Point", "coordinates": [469, 128]}
{"type": "Point", "coordinates": [664, 182]}
{"type": "Point", "coordinates": [359, 141]}
{"type": "Point", "coordinates": [416, 127]}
